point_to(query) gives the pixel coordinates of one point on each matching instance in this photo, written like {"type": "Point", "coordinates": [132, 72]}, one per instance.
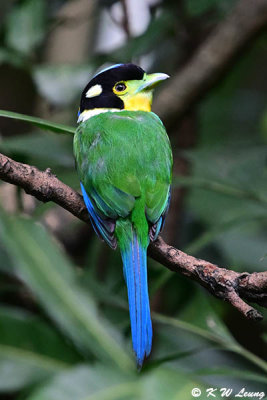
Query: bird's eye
{"type": "Point", "coordinates": [120, 87]}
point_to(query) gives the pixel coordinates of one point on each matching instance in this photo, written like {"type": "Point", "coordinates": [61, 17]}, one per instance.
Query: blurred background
{"type": "Point", "coordinates": [64, 324]}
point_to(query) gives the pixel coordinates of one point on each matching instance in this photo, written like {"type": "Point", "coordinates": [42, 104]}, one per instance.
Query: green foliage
{"type": "Point", "coordinates": [25, 26]}
{"type": "Point", "coordinates": [199, 7]}
{"type": "Point", "coordinates": [49, 274]}
{"type": "Point", "coordinates": [40, 123]}
{"type": "Point", "coordinates": [236, 184]}
{"type": "Point", "coordinates": [30, 350]}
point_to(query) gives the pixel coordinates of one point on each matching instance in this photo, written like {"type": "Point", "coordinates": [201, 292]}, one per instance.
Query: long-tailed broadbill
{"type": "Point", "coordinates": [124, 162]}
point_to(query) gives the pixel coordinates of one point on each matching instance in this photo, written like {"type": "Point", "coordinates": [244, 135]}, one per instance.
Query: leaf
{"type": "Point", "coordinates": [190, 328]}
{"type": "Point", "coordinates": [87, 383]}
{"type": "Point", "coordinates": [209, 326]}
{"type": "Point", "coordinates": [166, 383]}
{"type": "Point", "coordinates": [5, 260]}
{"type": "Point", "coordinates": [26, 26]}
{"type": "Point", "coordinates": [41, 123]}
{"type": "Point", "coordinates": [52, 149]}
{"type": "Point", "coordinates": [242, 166]}
{"type": "Point", "coordinates": [99, 383]}
{"type": "Point", "coordinates": [216, 233]}
{"type": "Point", "coordinates": [206, 318]}
{"type": "Point", "coordinates": [264, 337]}
{"type": "Point", "coordinates": [236, 184]}
{"type": "Point", "coordinates": [264, 125]}
{"type": "Point", "coordinates": [30, 351]}
{"type": "Point", "coordinates": [214, 331]}
{"type": "Point", "coordinates": [195, 8]}
{"type": "Point", "coordinates": [230, 200]}
{"type": "Point", "coordinates": [245, 246]}
{"type": "Point", "coordinates": [51, 277]}
{"type": "Point", "coordinates": [242, 374]}
{"type": "Point", "coordinates": [10, 56]}
{"type": "Point", "coordinates": [172, 357]}
{"type": "Point", "coordinates": [198, 7]}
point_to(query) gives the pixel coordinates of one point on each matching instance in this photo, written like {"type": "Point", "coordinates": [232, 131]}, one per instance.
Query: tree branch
{"type": "Point", "coordinates": [225, 284]}
{"type": "Point", "coordinates": [212, 59]}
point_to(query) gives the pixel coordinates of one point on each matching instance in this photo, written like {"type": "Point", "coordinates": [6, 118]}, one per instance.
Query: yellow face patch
{"type": "Point", "coordinates": [133, 99]}
{"type": "Point", "coordinates": [139, 102]}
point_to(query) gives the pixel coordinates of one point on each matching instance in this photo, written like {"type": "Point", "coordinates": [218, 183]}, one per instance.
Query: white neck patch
{"type": "Point", "coordinates": [86, 114]}
{"type": "Point", "coordinates": [94, 91]}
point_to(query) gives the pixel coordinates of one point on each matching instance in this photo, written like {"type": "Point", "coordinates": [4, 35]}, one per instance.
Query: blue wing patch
{"type": "Point", "coordinates": [104, 228]}
{"type": "Point", "coordinates": [157, 227]}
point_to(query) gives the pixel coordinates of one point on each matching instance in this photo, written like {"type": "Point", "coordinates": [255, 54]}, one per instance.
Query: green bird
{"type": "Point", "coordinates": [124, 161]}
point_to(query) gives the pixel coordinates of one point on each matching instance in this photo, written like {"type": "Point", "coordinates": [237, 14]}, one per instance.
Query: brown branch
{"type": "Point", "coordinates": [212, 59]}
{"type": "Point", "coordinates": [43, 185]}
{"type": "Point", "coordinates": [223, 283]}
{"type": "Point", "coordinates": [125, 21]}
{"type": "Point", "coordinates": [226, 284]}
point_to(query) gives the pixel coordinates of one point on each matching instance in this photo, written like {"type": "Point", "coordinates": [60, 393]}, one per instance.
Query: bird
{"type": "Point", "coordinates": [124, 162]}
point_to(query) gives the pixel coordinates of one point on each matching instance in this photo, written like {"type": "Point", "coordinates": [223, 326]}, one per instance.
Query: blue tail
{"type": "Point", "coordinates": [134, 259]}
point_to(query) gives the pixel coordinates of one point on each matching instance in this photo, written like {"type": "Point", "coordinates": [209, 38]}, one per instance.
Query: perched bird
{"type": "Point", "coordinates": [124, 161]}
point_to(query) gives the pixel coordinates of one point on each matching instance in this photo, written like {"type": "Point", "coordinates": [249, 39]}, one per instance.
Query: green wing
{"type": "Point", "coordinates": [122, 156]}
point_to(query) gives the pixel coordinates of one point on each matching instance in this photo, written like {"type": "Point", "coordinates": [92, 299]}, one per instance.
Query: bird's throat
{"type": "Point", "coordinates": [139, 102]}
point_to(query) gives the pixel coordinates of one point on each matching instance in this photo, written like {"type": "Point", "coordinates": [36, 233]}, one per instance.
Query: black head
{"type": "Point", "coordinates": [99, 91]}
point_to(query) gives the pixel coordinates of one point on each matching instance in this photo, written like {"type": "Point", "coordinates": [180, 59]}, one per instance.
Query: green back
{"type": "Point", "coordinates": [122, 156]}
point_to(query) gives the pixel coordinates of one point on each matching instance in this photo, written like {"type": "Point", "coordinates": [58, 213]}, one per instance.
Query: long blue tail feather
{"type": "Point", "coordinates": [134, 259]}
